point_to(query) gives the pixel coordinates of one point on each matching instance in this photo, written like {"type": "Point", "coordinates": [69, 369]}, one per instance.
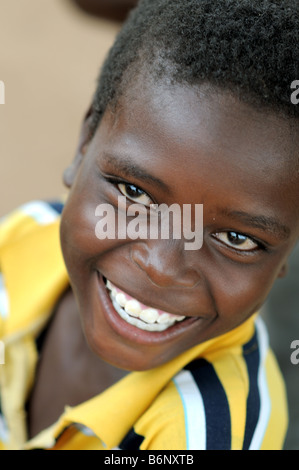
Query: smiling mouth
{"type": "Point", "coordinates": [139, 315]}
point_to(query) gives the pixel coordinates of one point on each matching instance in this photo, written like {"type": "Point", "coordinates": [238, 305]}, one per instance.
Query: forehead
{"type": "Point", "coordinates": [201, 136]}
{"type": "Point", "coordinates": [187, 115]}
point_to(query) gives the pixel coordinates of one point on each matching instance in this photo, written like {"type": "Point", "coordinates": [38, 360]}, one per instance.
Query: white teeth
{"type": "Point", "coordinates": [144, 318]}
{"type": "Point", "coordinates": [132, 307]}
{"type": "Point", "coordinates": [109, 285]}
{"type": "Point", "coordinates": [164, 318]}
{"type": "Point", "coordinates": [121, 299]}
{"type": "Point", "coordinates": [150, 315]}
{"type": "Point", "coordinates": [136, 322]}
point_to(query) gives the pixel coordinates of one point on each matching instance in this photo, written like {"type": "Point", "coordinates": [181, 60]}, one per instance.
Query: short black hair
{"type": "Point", "coordinates": [249, 47]}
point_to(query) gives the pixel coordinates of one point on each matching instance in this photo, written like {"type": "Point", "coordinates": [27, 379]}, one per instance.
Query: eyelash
{"type": "Point", "coordinates": [259, 246]}
{"type": "Point", "coordinates": [116, 182]}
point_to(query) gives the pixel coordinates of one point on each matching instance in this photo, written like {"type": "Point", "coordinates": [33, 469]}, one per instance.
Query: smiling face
{"type": "Point", "coordinates": [179, 145]}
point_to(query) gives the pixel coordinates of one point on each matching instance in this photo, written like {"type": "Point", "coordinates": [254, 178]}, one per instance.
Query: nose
{"type": "Point", "coordinates": [165, 263]}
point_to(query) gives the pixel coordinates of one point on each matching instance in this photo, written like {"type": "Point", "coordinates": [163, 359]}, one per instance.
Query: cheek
{"type": "Point", "coordinates": [240, 294]}
{"type": "Point", "coordinates": [81, 246]}
{"type": "Point", "coordinates": [78, 241]}
{"type": "Point", "coordinates": [77, 229]}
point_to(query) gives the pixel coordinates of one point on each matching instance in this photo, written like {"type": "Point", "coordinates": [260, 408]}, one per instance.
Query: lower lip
{"type": "Point", "coordinates": [131, 332]}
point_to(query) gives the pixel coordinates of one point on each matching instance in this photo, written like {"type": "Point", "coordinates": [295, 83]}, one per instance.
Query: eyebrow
{"type": "Point", "coordinates": [268, 224]}
{"type": "Point", "coordinates": [128, 167]}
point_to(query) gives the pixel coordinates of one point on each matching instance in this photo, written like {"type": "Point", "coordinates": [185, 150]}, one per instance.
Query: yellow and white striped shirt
{"type": "Point", "coordinates": [226, 393]}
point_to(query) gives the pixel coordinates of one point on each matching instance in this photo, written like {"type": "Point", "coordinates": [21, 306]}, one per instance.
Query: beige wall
{"type": "Point", "coordinates": [50, 54]}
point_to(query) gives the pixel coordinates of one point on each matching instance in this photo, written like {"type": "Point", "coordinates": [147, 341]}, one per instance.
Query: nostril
{"type": "Point", "coordinates": [164, 269]}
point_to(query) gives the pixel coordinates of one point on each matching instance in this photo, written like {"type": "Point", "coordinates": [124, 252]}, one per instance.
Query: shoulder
{"type": "Point", "coordinates": [35, 213]}
{"type": "Point", "coordinates": [32, 271]}
{"type": "Point", "coordinates": [239, 399]}
{"type": "Point", "coordinates": [235, 402]}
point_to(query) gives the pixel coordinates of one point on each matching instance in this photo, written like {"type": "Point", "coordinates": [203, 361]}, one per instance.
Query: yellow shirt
{"type": "Point", "coordinates": [226, 393]}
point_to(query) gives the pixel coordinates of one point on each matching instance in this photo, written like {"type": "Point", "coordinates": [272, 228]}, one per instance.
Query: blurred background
{"type": "Point", "coordinates": [50, 55]}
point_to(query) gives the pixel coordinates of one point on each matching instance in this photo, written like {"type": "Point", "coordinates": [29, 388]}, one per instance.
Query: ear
{"type": "Point", "coordinates": [283, 271]}
{"type": "Point", "coordinates": [84, 140]}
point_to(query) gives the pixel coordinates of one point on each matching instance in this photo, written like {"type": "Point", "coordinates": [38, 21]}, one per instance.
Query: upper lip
{"type": "Point", "coordinates": [150, 303]}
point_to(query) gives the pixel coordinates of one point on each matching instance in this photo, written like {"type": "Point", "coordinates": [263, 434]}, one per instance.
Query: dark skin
{"type": "Point", "coordinates": [116, 10]}
{"type": "Point", "coordinates": [181, 139]}
{"type": "Point", "coordinates": [68, 371]}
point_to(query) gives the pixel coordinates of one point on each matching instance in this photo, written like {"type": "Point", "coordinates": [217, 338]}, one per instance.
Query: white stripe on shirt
{"type": "Point", "coordinates": [195, 421]}
{"type": "Point", "coordinates": [4, 301]}
{"type": "Point", "coordinates": [265, 402]}
{"type": "Point", "coordinates": [40, 211]}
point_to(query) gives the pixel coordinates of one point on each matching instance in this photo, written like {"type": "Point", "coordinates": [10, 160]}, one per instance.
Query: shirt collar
{"type": "Point", "coordinates": [113, 413]}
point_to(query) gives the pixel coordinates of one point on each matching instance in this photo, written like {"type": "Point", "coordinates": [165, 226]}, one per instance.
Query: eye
{"type": "Point", "coordinates": [238, 241]}
{"type": "Point", "coordinates": [135, 194]}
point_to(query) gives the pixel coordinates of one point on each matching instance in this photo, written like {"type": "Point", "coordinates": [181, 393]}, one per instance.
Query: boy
{"type": "Point", "coordinates": [192, 107]}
